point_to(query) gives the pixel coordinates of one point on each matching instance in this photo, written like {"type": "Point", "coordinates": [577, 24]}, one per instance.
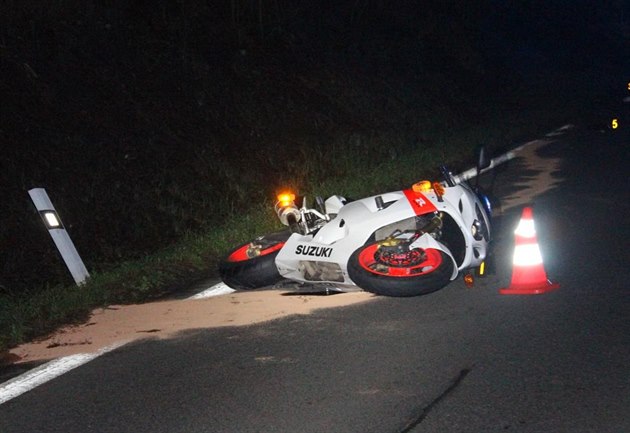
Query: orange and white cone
{"type": "Point", "coordinates": [528, 273]}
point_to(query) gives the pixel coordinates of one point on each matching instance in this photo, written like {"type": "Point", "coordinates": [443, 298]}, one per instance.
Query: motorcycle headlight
{"type": "Point", "coordinates": [476, 231]}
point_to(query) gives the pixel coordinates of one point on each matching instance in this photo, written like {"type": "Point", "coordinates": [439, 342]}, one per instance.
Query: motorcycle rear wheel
{"type": "Point", "coordinates": [242, 270]}
{"type": "Point", "coordinates": [424, 272]}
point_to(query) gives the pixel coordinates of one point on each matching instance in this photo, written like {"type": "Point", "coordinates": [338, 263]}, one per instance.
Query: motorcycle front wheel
{"type": "Point", "coordinates": [252, 265]}
{"type": "Point", "coordinates": [401, 274]}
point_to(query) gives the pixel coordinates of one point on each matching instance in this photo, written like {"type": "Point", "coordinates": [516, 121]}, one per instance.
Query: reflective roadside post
{"type": "Point", "coordinates": [59, 234]}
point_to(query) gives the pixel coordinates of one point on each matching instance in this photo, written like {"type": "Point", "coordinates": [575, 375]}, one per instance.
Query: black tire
{"type": "Point", "coordinates": [242, 272]}
{"type": "Point", "coordinates": [430, 270]}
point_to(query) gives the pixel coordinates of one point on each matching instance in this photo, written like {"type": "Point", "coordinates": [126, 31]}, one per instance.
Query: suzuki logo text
{"type": "Point", "coordinates": [307, 250]}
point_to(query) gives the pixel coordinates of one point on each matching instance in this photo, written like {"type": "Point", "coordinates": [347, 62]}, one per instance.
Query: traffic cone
{"type": "Point", "coordinates": [528, 273]}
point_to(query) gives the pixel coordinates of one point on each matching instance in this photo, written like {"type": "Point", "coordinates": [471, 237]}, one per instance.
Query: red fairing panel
{"type": "Point", "coordinates": [419, 202]}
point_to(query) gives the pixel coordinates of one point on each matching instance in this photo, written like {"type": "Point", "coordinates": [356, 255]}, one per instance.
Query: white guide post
{"type": "Point", "coordinates": [59, 234]}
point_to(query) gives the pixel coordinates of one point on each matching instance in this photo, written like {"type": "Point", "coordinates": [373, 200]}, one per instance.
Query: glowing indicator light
{"type": "Point", "coordinates": [285, 199]}
{"type": "Point", "coordinates": [482, 269]}
{"type": "Point", "coordinates": [422, 186]}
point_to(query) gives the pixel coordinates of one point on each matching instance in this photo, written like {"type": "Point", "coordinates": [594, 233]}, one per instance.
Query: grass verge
{"type": "Point", "coordinates": [29, 315]}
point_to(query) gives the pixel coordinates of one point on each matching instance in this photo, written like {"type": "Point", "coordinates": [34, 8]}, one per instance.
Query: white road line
{"type": "Point", "coordinates": [55, 368]}
{"type": "Point", "coordinates": [46, 372]}
{"type": "Point", "coordinates": [216, 290]}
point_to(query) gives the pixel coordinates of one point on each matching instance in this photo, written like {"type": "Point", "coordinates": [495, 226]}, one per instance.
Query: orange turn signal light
{"type": "Point", "coordinates": [286, 198]}
{"type": "Point", "coordinates": [422, 186]}
{"type": "Point", "coordinates": [469, 280]}
{"type": "Point", "coordinates": [438, 188]}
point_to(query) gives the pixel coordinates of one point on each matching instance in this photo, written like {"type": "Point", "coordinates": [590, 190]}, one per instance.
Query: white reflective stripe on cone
{"type": "Point", "coordinates": [527, 255]}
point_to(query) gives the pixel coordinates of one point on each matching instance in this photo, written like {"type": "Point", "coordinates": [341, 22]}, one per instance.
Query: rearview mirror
{"type": "Point", "coordinates": [482, 159]}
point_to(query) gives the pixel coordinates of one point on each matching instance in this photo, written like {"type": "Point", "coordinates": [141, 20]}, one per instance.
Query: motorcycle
{"type": "Point", "coordinates": [403, 243]}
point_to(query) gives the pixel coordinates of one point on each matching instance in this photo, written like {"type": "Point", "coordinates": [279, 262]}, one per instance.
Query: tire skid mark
{"type": "Point", "coordinates": [425, 411]}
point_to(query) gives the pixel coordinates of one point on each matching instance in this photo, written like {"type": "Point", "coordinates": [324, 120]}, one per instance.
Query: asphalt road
{"type": "Point", "coordinates": [458, 360]}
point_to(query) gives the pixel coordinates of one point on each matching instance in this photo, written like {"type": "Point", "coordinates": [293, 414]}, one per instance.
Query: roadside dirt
{"type": "Point", "coordinates": [116, 324]}
{"type": "Point", "coordinates": [125, 323]}
{"type": "Point", "coordinates": [535, 177]}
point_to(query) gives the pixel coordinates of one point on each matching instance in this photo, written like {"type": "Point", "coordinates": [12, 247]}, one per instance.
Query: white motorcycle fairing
{"type": "Point", "coordinates": [323, 256]}
{"type": "Point", "coordinates": [403, 243]}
